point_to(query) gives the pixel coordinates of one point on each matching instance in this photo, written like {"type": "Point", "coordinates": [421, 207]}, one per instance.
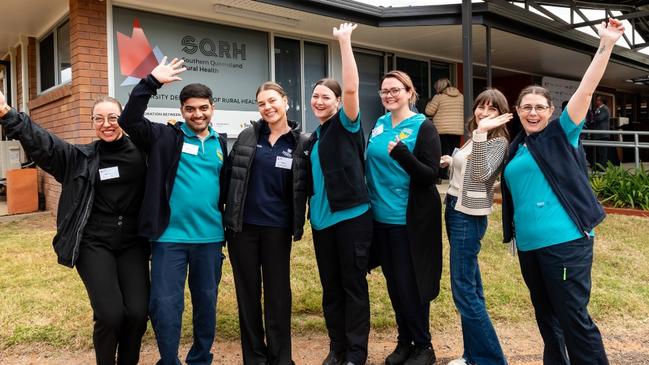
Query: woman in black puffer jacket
{"type": "Point", "coordinates": [266, 205]}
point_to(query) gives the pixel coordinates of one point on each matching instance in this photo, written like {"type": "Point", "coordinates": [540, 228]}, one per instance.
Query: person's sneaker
{"type": "Point", "coordinates": [333, 358]}
{"type": "Point", "coordinates": [421, 356]}
{"type": "Point", "coordinates": [460, 361]}
{"type": "Point", "coordinates": [400, 354]}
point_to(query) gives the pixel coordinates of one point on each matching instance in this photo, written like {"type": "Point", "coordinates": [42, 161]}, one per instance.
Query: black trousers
{"type": "Point", "coordinates": [412, 315]}
{"type": "Point", "coordinates": [342, 253]}
{"type": "Point", "coordinates": [262, 255]}
{"type": "Point", "coordinates": [114, 266]}
{"type": "Point", "coordinates": [448, 143]}
{"type": "Point", "coordinates": [559, 281]}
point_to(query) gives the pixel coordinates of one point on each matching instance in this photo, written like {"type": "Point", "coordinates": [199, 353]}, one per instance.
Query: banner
{"type": "Point", "coordinates": [233, 62]}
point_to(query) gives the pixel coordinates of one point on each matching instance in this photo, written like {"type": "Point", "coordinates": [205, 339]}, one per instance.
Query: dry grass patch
{"type": "Point", "coordinates": [45, 304]}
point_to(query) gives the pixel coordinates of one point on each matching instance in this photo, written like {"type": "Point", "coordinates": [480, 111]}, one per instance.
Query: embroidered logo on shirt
{"type": "Point", "coordinates": [405, 133]}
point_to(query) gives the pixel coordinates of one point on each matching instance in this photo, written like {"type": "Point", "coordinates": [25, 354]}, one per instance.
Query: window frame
{"type": "Point", "coordinates": [54, 30]}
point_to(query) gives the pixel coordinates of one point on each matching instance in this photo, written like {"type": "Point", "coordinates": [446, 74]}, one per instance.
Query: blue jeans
{"type": "Point", "coordinates": [464, 232]}
{"type": "Point", "coordinates": [169, 263]}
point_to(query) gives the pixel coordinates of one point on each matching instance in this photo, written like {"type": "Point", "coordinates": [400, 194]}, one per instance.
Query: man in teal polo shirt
{"type": "Point", "coordinates": [181, 211]}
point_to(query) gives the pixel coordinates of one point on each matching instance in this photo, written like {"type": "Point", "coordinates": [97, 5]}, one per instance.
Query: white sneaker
{"type": "Point", "coordinates": [459, 361]}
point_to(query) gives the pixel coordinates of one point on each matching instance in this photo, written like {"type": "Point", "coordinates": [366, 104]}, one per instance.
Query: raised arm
{"type": "Point", "coordinates": [132, 119]}
{"type": "Point", "coordinates": [350, 71]}
{"type": "Point", "coordinates": [488, 155]}
{"type": "Point", "coordinates": [50, 152]}
{"type": "Point", "coordinates": [580, 100]}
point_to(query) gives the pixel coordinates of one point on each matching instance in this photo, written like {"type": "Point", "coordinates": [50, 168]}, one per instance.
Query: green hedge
{"type": "Point", "coordinates": [621, 188]}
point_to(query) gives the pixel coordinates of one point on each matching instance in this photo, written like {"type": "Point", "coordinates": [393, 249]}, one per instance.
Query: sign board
{"type": "Point", "coordinates": [561, 90]}
{"type": "Point", "coordinates": [233, 62]}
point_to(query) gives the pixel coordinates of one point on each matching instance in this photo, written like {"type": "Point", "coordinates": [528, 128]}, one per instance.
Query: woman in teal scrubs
{"type": "Point", "coordinates": [339, 209]}
{"type": "Point", "coordinates": [549, 209]}
{"type": "Point", "coordinates": [403, 157]}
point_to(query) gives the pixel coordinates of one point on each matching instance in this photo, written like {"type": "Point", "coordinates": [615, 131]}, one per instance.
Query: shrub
{"type": "Point", "coordinates": [621, 188]}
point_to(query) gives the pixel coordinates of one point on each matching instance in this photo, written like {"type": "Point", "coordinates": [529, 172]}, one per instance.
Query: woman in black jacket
{"type": "Point", "coordinates": [339, 209]}
{"type": "Point", "coordinates": [403, 156]}
{"type": "Point", "coordinates": [102, 188]}
{"type": "Point", "coordinates": [266, 204]}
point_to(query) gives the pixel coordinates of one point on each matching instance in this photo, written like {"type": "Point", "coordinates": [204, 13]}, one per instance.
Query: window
{"type": "Point", "coordinates": [418, 72]}
{"type": "Point", "coordinates": [298, 65]}
{"type": "Point", "coordinates": [370, 72]}
{"type": "Point", "coordinates": [54, 57]}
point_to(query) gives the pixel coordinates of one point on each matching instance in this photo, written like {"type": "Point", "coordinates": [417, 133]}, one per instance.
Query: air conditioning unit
{"type": "Point", "coordinates": [11, 157]}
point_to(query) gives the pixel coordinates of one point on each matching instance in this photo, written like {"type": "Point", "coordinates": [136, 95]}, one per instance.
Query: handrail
{"type": "Point", "coordinates": [636, 144]}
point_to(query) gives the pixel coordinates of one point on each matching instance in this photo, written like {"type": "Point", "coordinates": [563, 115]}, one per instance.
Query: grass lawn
{"type": "Point", "coordinates": [45, 304]}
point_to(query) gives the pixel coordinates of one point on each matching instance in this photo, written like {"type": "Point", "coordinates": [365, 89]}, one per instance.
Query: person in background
{"type": "Point", "coordinates": [181, 211]}
{"type": "Point", "coordinates": [550, 210]}
{"type": "Point", "coordinates": [339, 209]}
{"type": "Point", "coordinates": [403, 157]}
{"type": "Point", "coordinates": [265, 206]}
{"type": "Point", "coordinates": [601, 121]}
{"type": "Point", "coordinates": [469, 199]}
{"type": "Point", "coordinates": [446, 109]}
{"type": "Point", "coordinates": [102, 184]}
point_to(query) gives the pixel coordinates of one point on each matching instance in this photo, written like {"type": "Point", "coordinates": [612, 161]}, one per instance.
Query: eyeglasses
{"type": "Point", "coordinates": [528, 108]}
{"type": "Point", "coordinates": [394, 92]}
{"type": "Point", "coordinates": [100, 119]}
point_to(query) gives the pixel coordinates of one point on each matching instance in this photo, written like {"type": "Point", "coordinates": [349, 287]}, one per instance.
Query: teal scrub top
{"type": "Point", "coordinates": [320, 212]}
{"type": "Point", "coordinates": [195, 215]}
{"type": "Point", "coordinates": [539, 217]}
{"type": "Point", "coordinates": [387, 181]}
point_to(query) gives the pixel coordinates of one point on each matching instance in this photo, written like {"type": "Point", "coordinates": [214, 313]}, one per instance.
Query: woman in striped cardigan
{"type": "Point", "coordinates": [474, 168]}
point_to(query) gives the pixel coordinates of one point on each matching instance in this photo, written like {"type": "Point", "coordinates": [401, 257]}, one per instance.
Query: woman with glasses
{"type": "Point", "coordinates": [102, 188]}
{"type": "Point", "coordinates": [550, 211]}
{"type": "Point", "coordinates": [403, 157]}
{"type": "Point", "coordinates": [339, 209]}
{"type": "Point", "coordinates": [469, 199]}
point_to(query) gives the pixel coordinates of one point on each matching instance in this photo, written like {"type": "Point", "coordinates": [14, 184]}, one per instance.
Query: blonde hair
{"type": "Point", "coordinates": [105, 99]}
{"type": "Point", "coordinates": [403, 78]}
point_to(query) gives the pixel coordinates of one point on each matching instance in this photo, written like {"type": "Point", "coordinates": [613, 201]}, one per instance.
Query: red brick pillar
{"type": "Point", "coordinates": [89, 57]}
{"type": "Point", "coordinates": [65, 110]}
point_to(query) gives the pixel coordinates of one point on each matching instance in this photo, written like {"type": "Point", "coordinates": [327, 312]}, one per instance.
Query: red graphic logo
{"type": "Point", "coordinates": [136, 57]}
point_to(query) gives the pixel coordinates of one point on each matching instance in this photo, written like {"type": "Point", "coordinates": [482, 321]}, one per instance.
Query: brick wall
{"type": "Point", "coordinates": [66, 109]}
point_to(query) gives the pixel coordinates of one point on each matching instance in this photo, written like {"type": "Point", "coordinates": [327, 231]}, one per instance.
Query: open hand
{"type": "Point", "coordinates": [166, 73]}
{"type": "Point", "coordinates": [445, 161]}
{"type": "Point", "coordinates": [611, 31]}
{"type": "Point", "coordinates": [344, 31]}
{"type": "Point", "coordinates": [487, 124]}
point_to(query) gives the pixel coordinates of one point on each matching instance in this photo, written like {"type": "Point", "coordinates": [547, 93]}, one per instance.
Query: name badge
{"type": "Point", "coordinates": [108, 173]}
{"type": "Point", "coordinates": [192, 149]}
{"type": "Point", "coordinates": [283, 162]}
{"type": "Point", "coordinates": [378, 130]}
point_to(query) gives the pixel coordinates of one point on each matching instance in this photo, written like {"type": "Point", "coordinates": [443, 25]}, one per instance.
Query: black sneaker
{"type": "Point", "coordinates": [421, 356]}
{"type": "Point", "coordinates": [400, 354]}
{"type": "Point", "coordinates": [334, 358]}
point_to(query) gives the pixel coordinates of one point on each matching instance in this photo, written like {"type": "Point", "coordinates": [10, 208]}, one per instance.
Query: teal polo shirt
{"type": "Point", "coordinates": [539, 217]}
{"type": "Point", "coordinates": [195, 216]}
{"type": "Point", "coordinates": [320, 212]}
{"type": "Point", "coordinates": [387, 181]}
